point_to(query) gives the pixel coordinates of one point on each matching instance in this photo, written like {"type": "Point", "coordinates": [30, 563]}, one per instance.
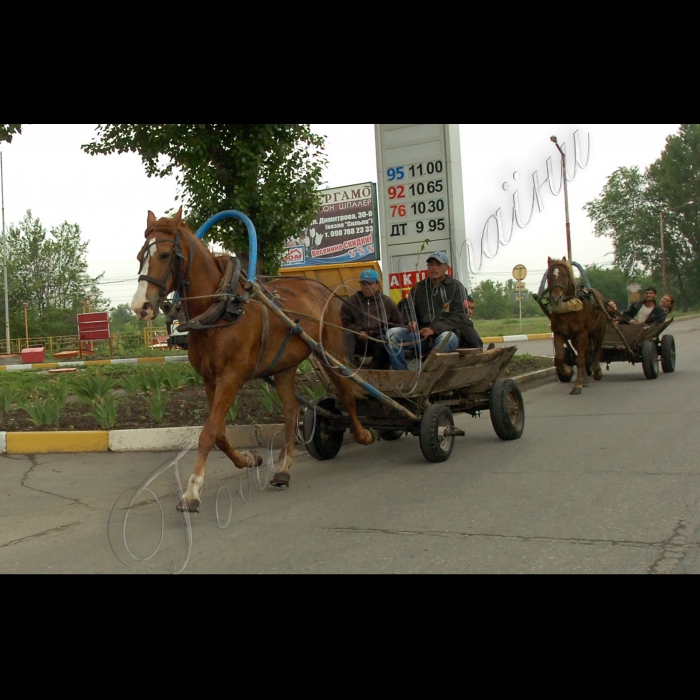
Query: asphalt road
{"type": "Point", "coordinates": [604, 482]}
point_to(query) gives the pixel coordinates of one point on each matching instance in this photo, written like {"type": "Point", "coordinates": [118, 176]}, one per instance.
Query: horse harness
{"type": "Point", "coordinates": [227, 305]}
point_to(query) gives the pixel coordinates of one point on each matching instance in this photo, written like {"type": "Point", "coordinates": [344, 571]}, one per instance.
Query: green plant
{"type": "Point", "coordinates": [104, 411]}
{"type": "Point", "coordinates": [233, 411]}
{"type": "Point", "coordinates": [157, 401]}
{"type": "Point", "coordinates": [269, 399]}
{"type": "Point", "coordinates": [191, 376]}
{"type": "Point", "coordinates": [44, 410]}
{"type": "Point", "coordinates": [8, 396]}
{"type": "Point", "coordinates": [305, 367]}
{"type": "Point", "coordinates": [91, 388]}
{"type": "Point", "coordinates": [131, 383]}
{"type": "Point", "coordinates": [314, 391]}
{"type": "Point", "coordinates": [174, 377]}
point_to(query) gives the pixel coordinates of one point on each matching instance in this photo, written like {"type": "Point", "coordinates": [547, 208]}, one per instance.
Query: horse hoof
{"type": "Point", "coordinates": [280, 479]}
{"type": "Point", "coordinates": [576, 390]}
{"type": "Point", "coordinates": [254, 459]}
{"type": "Point", "coordinates": [598, 375]}
{"type": "Point", "coordinates": [188, 504]}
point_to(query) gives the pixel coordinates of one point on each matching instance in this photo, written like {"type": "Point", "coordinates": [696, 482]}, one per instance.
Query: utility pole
{"type": "Point", "coordinates": [4, 259]}
{"type": "Point", "coordinates": [553, 139]}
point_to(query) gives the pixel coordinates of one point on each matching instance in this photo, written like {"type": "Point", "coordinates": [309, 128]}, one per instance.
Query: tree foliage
{"type": "Point", "coordinates": [48, 271]}
{"type": "Point", "coordinates": [632, 204]}
{"type": "Point", "coordinates": [491, 299]}
{"type": "Point", "coordinates": [611, 283]}
{"type": "Point", "coordinates": [269, 172]}
{"type": "Point", "coordinates": [7, 131]}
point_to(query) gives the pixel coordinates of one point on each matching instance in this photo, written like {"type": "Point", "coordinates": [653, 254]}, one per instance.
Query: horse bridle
{"type": "Point", "coordinates": [180, 278]}
{"type": "Point", "coordinates": [560, 286]}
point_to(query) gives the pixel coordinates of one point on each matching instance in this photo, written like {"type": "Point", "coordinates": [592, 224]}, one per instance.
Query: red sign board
{"type": "Point", "coordinates": [93, 326]}
{"type": "Point", "coordinates": [403, 281]}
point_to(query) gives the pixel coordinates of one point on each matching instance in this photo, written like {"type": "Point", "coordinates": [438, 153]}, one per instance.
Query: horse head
{"type": "Point", "coordinates": [560, 281]}
{"type": "Point", "coordinates": [162, 263]}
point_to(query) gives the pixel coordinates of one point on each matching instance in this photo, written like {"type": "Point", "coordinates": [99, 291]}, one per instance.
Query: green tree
{"type": "Point", "coordinates": [624, 213]}
{"type": "Point", "coordinates": [7, 131]}
{"type": "Point", "coordinates": [611, 283]}
{"type": "Point", "coordinates": [123, 320]}
{"type": "Point", "coordinates": [269, 172]}
{"type": "Point", "coordinates": [48, 272]}
{"type": "Point", "coordinates": [674, 190]}
{"type": "Point", "coordinates": [629, 211]}
{"type": "Point", "coordinates": [491, 299]}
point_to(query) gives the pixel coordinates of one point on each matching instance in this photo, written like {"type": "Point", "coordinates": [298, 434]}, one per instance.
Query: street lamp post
{"type": "Point", "coordinates": [663, 249]}
{"type": "Point", "coordinates": [553, 139]}
{"type": "Point", "coordinates": [4, 259]}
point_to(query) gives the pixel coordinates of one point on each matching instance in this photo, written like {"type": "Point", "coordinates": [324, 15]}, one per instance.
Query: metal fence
{"type": "Point", "coordinates": [121, 343]}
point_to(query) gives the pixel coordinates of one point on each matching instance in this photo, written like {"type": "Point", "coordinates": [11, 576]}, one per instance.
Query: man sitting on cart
{"type": "Point", "coordinates": [366, 316]}
{"type": "Point", "coordinates": [438, 301]}
{"type": "Point", "coordinates": [645, 312]}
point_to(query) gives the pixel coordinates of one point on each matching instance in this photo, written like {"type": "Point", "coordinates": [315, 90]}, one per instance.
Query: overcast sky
{"type": "Point", "coordinates": [109, 197]}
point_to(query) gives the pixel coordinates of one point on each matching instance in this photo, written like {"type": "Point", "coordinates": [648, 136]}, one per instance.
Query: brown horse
{"type": "Point", "coordinates": [576, 319]}
{"type": "Point", "coordinates": [256, 343]}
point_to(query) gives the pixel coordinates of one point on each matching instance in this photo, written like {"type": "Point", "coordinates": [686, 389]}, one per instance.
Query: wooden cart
{"type": "Point", "coordinates": [421, 403]}
{"type": "Point", "coordinates": [640, 343]}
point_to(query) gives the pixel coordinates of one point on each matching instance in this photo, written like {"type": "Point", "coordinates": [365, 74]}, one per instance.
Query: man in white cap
{"type": "Point", "coordinates": [438, 304]}
{"type": "Point", "coordinates": [366, 317]}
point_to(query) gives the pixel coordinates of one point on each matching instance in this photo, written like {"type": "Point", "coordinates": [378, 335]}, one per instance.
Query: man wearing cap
{"type": "Point", "coordinates": [438, 301]}
{"type": "Point", "coordinates": [647, 311]}
{"type": "Point", "coordinates": [368, 315]}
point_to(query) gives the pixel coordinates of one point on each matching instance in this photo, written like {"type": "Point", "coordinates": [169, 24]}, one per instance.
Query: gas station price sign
{"type": "Point", "coordinates": [415, 200]}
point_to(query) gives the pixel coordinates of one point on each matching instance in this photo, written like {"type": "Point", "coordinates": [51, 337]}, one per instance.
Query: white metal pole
{"type": "Point", "coordinates": [4, 259]}
{"type": "Point", "coordinates": [520, 304]}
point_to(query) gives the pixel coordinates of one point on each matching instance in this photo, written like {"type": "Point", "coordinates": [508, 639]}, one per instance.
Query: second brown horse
{"type": "Point", "coordinates": [574, 319]}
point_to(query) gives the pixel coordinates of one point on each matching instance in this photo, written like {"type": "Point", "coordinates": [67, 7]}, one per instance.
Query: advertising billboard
{"type": "Point", "coordinates": [345, 230]}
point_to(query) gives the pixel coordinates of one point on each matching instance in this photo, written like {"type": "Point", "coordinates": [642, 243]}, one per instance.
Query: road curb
{"type": "Point", "coordinates": [516, 338]}
{"type": "Point", "coordinates": [158, 439]}
{"type": "Point", "coordinates": [94, 363]}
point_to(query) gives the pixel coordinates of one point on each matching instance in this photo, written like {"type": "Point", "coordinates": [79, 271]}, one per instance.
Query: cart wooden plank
{"type": "Point", "coordinates": [440, 372]}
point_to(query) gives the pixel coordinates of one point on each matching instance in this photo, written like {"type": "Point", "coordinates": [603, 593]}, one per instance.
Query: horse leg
{"type": "Point", "coordinates": [597, 349]}
{"type": "Point", "coordinates": [343, 387]}
{"type": "Point", "coordinates": [581, 347]}
{"type": "Point", "coordinates": [284, 383]}
{"type": "Point", "coordinates": [220, 396]}
{"type": "Point", "coordinates": [562, 369]}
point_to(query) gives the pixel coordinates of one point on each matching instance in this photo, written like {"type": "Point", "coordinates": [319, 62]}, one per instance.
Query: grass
{"type": "Point", "coordinates": [536, 324]}
{"type": "Point", "coordinates": [511, 326]}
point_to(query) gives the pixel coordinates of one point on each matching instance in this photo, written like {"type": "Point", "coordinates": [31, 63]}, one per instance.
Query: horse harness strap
{"type": "Point", "coordinates": [265, 335]}
{"type": "Point", "coordinates": [227, 306]}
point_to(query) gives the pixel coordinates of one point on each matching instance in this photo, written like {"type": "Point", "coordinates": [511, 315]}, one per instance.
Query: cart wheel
{"type": "Point", "coordinates": [390, 434]}
{"type": "Point", "coordinates": [322, 440]}
{"type": "Point", "coordinates": [434, 444]}
{"type": "Point", "coordinates": [507, 409]}
{"type": "Point", "coordinates": [650, 357]}
{"type": "Point", "coordinates": [668, 353]}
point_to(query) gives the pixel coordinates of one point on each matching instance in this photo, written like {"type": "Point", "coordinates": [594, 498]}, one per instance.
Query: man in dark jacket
{"type": "Point", "coordinates": [438, 301]}
{"type": "Point", "coordinates": [469, 338]}
{"type": "Point", "coordinates": [366, 317]}
{"type": "Point", "coordinates": [647, 311]}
